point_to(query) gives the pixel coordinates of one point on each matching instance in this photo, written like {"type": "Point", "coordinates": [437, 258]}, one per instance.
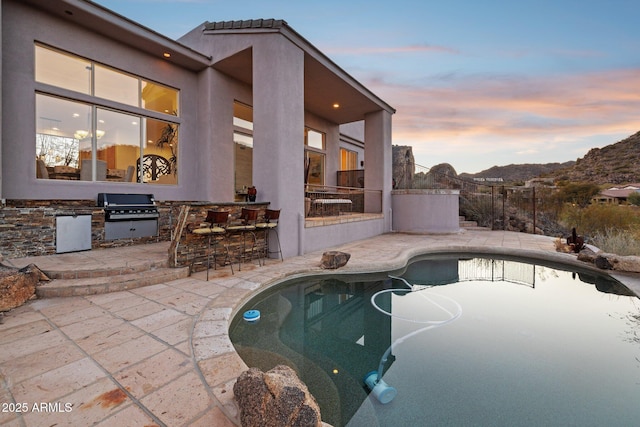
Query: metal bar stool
{"type": "Point", "coordinates": [270, 223]}
{"type": "Point", "coordinates": [217, 221]}
{"type": "Point", "coordinates": [248, 218]}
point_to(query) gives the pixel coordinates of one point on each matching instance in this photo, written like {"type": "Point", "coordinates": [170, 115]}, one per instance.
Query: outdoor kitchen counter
{"type": "Point", "coordinates": [189, 249]}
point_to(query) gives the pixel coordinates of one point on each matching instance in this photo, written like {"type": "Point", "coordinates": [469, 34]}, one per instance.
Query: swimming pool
{"type": "Point", "coordinates": [483, 342]}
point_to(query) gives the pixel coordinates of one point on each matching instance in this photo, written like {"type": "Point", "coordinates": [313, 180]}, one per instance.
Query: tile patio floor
{"type": "Point", "coordinates": [161, 355]}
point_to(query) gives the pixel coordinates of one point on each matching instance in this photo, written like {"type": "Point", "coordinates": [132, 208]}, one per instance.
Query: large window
{"type": "Point", "coordinates": [243, 148]}
{"type": "Point", "coordinates": [348, 160]}
{"type": "Point", "coordinates": [97, 140]}
{"type": "Point", "coordinates": [314, 156]}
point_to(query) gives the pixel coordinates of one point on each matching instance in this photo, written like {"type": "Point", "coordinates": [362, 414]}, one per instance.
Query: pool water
{"type": "Point", "coordinates": [481, 342]}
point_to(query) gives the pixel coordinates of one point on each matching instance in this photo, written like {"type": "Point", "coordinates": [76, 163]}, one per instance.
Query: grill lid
{"type": "Point", "coordinates": [126, 200]}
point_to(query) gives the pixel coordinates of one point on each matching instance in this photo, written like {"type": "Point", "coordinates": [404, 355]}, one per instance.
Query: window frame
{"type": "Point", "coordinates": [96, 103]}
{"type": "Point", "coordinates": [310, 150]}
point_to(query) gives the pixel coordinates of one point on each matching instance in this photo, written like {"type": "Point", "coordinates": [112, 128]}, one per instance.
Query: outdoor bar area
{"type": "Point", "coordinates": [46, 227]}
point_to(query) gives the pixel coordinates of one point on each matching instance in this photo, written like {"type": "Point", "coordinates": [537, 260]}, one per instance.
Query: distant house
{"type": "Point", "coordinates": [93, 102]}
{"type": "Point", "coordinates": [616, 195]}
{"type": "Point", "coordinates": [539, 182]}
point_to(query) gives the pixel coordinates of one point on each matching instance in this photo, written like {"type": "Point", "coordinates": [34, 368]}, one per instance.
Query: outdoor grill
{"type": "Point", "coordinates": [129, 215]}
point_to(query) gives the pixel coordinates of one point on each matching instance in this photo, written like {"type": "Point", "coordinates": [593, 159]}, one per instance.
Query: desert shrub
{"type": "Point", "coordinates": [616, 241]}
{"type": "Point", "coordinates": [634, 198]}
{"type": "Point", "coordinates": [477, 209]}
{"type": "Point", "coordinates": [577, 193]}
{"type": "Point", "coordinates": [596, 219]}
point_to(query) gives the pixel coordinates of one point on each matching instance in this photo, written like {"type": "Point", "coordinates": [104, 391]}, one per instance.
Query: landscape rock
{"type": "Point", "coordinates": [276, 398]}
{"type": "Point", "coordinates": [18, 285]}
{"type": "Point", "coordinates": [334, 259]}
{"type": "Point", "coordinates": [587, 255]}
{"type": "Point", "coordinates": [607, 261]}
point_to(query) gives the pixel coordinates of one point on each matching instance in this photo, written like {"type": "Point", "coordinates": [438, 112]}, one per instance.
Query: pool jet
{"type": "Point", "coordinates": [373, 379]}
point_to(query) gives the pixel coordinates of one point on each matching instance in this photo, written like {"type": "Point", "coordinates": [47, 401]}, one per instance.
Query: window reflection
{"type": "Point", "coordinates": [159, 98]}
{"type": "Point", "coordinates": [159, 162]}
{"type": "Point", "coordinates": [119, 145]}
{"type": "Point", "coordinates": [75, 140]}
{"type": "Point", "coordinates": [243, 148]}
{"type": "Point", "coordinates": [60, 126]}
{"type": "Point", "coordinates": [64, 137]}
{"type": "Point", "coordinates": [116, 86]}
{"type": "Point", "coordinates": [62, 70]}
{"type": "Point", "coordinates": [314, 156]}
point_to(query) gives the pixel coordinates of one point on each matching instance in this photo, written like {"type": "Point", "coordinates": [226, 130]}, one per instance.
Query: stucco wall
{"type": "Point", "coordinates": [426, 211]}
{"type": "Point", "coordinates": [317, 238]}
{"type": "Point", "coordinates": [22, 26]}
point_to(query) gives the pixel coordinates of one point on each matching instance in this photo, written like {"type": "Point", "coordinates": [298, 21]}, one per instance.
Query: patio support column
{"type": "Point", "coordinates": [278, 134]}
{"type": "Point", "coordinates": [378, 164]}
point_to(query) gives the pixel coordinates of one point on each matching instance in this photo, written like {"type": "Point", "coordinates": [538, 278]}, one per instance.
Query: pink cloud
{"type": "Point", "coordinates": [466, 115]}
{"type": "Point", "coordinates": [474, 105]}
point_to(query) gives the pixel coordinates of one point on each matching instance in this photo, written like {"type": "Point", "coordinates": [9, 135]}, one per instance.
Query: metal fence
{"type": "Point", "coordinates": [325, 200]}
{"type": "Point", "coordinates": [491, 205]}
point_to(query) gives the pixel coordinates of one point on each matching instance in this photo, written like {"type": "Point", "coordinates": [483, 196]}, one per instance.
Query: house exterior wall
{"type": "Point", "coordinates": [22, 27]}
{"type": "Point", "coordinates": [278, 123]}
{"type": "Point", "coordinates": [206, 98]}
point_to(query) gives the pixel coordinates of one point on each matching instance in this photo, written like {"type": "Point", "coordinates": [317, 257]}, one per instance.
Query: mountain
{"type": "Point", "coordinates": [617, 163]}
{"type": "Point", "coordinates": [518, 173]}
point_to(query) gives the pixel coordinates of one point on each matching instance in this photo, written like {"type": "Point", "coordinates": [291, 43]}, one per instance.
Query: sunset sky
{"type": "Point", "coordinates": [475, 83]}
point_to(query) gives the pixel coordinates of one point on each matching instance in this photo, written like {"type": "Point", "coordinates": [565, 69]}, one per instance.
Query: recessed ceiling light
{"type": "Point", "coordinates": [166, 55]}
{"type": "Point", "coordinates": [336, 105]}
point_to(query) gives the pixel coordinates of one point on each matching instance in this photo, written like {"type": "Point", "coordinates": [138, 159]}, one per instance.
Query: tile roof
{"type": "Point", "coordinates": [245, 24]}
{"type": "Point", "coordinates": [617, 193]}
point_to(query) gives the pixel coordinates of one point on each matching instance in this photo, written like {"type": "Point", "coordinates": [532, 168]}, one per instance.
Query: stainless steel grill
{"type": "Point", "coordinates": [129, 215]}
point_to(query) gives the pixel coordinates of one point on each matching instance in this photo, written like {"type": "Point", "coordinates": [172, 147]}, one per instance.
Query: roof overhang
{"type": "Point", "coordinates": [103, 21]}
{"type": "Point", "coordinates": [329, 91]}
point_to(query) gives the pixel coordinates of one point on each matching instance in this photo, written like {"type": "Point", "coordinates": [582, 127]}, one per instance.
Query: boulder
{"type": "Point", "coordinates": [334, 259]}
{"type": "Point", "coordinates": [607, 261]}
{"type": "Point", "coordinates": [276, 398]}
{"type": "Point", "coordinates": [18, 285]}
{"type": "Point", "coordinates": [587, 255]}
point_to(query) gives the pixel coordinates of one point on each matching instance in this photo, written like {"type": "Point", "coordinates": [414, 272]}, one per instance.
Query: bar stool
{"type": "Point", "coordinates": [270, 223]}
{"type": "Point", "coordinates": [217, 221]}
{"type": "Point", "coordinates": [248, 218]}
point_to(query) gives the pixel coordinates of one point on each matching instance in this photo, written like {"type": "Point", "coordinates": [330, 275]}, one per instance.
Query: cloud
{"type": "Point", "coordinates": [553, 116]}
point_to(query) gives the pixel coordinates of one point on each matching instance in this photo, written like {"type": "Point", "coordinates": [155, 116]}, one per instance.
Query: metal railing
{"type": "Point", "coordinates": [351, 178]}
{"type": "Point", "coordinates": [327, 200]}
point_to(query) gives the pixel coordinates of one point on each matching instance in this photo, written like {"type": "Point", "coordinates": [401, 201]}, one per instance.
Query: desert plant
{"type": "Point", "coordinates": [616, 241]}
{"type": "Point", "coordinates": [578, 193]}
{"type": "Point", "coordinates": [634, 198]}
{"type": "Point", "coordinates": [595, 219]}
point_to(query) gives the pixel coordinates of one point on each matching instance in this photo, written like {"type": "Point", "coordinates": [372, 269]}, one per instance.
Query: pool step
{"type": "Point", "coordinates": [104, 283]}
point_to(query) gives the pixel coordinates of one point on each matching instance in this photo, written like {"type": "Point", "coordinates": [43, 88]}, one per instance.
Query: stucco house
{"type": "Point", "coordinates": [616, 195]}
{"type": "Point", "coordinates": [93, 102]}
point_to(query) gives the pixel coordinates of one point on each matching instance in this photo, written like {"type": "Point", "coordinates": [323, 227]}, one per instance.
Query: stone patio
{"type": "Point", "coordinates": [161, 354]}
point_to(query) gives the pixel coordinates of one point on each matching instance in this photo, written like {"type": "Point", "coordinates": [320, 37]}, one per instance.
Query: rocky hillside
{"type": "Point", "coordinates": [519, 173]}
{"type": "Point", "coordinates": [617, 163]}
